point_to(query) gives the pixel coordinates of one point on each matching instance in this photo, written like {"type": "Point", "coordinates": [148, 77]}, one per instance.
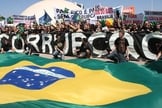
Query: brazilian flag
{"type": "Point", "coordinates": [35, 82]}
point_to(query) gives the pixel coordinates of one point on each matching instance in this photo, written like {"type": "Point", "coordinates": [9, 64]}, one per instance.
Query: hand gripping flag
{"type": "Point", "coordinates": [35, 82]}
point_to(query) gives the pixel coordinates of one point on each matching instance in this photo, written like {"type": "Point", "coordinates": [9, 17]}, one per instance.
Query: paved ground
{"type": "Point", "coordinates": [49, 56]}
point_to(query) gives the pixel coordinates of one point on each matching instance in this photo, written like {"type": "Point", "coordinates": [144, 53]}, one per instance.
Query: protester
{"type": "Point", "coordinates": [6, 46]}
{"type": "Point", "coordinates": [58, 48]}
{"type": "Point", "coordinates": [85, 50]}
{"type": "Point", "coordinates": [147, 27]}
{"type": "Point", "coordinates": [84, 27]}
{"type": "Point", "coordinates": [121, 51]}
{"type": "Point", "coordinates": [28, 48]}
{"type": "Point", "coordinates": [159, 54]}
{"type": "Point", "coordinates": [134, 28]}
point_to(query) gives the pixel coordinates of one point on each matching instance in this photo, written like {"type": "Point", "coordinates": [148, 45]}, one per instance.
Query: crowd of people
{"type": "Point", "coordinates": [120, 52]}
{"type": "Point", "coordinates": [81, 26]}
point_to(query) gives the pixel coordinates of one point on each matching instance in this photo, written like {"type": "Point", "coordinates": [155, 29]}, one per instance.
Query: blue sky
{"type": "Point", "coordinates": [10, 7]}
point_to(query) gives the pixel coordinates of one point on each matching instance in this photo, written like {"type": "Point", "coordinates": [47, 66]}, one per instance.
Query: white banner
{"type": "Point", "coordinates": [103, 13]}
{"type": "Point", "coordinates": [92, 14]}
{"type": "Point", "coordinates": [23, 19]}
{"type": "Point", "coordinates": [130, 19]}
{"type": "Point", "coordinates": [153, 16]}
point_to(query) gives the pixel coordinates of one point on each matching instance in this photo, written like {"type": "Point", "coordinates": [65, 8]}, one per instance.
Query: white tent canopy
{"type": "Point", "coordinates": [38, 8]}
